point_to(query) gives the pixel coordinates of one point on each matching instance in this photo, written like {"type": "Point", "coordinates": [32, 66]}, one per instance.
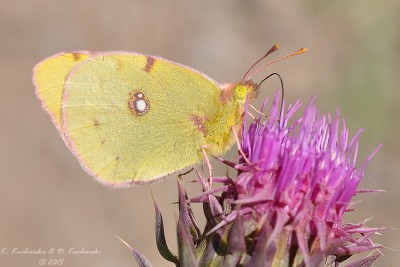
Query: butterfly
{"type": "Point", "coordinates": [131, 118]}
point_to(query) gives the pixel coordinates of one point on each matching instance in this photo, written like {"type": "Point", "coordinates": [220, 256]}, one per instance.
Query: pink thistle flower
{"type": "Point", "coordinates": [298, 179]}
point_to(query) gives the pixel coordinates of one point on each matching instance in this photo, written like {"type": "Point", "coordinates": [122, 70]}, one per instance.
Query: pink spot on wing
{"type": "Point", "coordinates": [149, 64]}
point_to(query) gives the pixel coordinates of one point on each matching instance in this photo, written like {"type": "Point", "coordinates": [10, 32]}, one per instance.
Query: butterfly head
{"type": "Point", "coordinates": [238, 92]}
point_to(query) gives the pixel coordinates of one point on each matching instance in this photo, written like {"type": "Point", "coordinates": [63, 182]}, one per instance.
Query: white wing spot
{"type": "Point", "coordinates": [141, 105]}
{"type": "Point", "coordinates": [138, 104]}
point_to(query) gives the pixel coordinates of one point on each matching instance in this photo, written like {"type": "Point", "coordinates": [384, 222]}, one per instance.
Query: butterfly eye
{"type": "Point", "coordinates": [138, 104]}
{"type": "Point", "coordinates": [240, 92]}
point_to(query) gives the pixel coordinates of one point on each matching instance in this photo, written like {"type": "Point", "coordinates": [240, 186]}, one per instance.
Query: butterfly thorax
{"type": "Point", "coordinates": [218, 129]}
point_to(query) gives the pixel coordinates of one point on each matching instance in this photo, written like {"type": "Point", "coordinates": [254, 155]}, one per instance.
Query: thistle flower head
{"type": "Point", "coordinates": [296, 179]}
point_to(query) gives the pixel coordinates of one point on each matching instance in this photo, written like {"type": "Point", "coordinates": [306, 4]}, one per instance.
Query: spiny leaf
{"type": "Point", "coordinates": [160, 238]}
{"type": "Point", "coordinates": [217, 213]}
{"type": "Point", "coordinates": [214, 250]}
{"type": "Point", "coordinates": [140, 258]}
{"type": "Point", "coordinates": [194, 228]}
{"type": "Point", "coordinates": [187, 251]}
{"type": "Point", "coordinates": [236, 243]}
{"type": "Point", "coordinates": [262, 255]}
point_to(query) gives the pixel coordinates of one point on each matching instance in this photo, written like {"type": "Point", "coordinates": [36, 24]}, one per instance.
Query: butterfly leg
{"type": "Point", "coordinates": [203, 148]}
{"type": "Point", "coordinates": [262, 114]}
{"type": "Point", "coordinates": [239, 146]}
{"type": "Point", "coordinates": [258, 112]}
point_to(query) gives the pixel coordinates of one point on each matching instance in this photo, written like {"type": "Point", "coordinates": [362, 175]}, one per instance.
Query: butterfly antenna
{"type": "Point", "coordinates": [282, 88]}
{"type": "Point", "coordinates": [274, 48]}
{"type": "Point", "coordinates": [295, 53]}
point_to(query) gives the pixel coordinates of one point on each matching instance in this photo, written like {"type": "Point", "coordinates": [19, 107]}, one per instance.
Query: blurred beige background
{"type": "Point", "coordinates": [48, 201]}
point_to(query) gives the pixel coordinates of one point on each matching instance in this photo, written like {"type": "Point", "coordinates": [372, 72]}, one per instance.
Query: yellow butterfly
{"type": "Point", "coordinates": [132, 118]}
